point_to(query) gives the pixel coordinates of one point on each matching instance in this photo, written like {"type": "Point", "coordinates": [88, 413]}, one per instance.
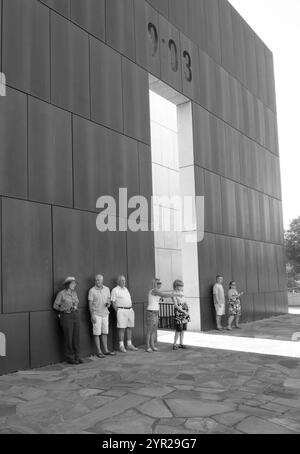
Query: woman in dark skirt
{"type": "Point", "coordinates": [66, 303]}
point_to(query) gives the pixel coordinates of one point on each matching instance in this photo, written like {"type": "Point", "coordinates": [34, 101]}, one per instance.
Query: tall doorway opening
{"type": "Point", "coordinates": [173, 175]}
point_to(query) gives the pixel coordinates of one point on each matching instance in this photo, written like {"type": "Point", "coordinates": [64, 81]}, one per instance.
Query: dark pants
{"type": "Point", "coordinates": [70, 324]}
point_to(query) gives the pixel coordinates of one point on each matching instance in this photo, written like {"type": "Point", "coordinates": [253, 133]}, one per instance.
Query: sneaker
{"type": "Point", "coordinates": [122, 349]}
{"type": "Point", "coordinates": [182, 346]}
{"type": "Point", "coordinates": [175, 347]}
{"type": "Point", "coordinates": [155, 349]}
{"type": "Point", "coordinates": [100, 355]}
{"type": "Point", "coordinates": [149, 350]}
{"type": "Point", "coordinates": [132, 348]}
{"type": "Point", "coordinates": [109, 353]}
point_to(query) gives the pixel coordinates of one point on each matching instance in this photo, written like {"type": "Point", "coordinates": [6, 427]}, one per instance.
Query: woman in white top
{"type": "Point", "coordinates": [152, 313]}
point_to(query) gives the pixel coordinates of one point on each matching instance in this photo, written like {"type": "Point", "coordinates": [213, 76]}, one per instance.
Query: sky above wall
{"type": "Point", "coordinates": [277, 22]}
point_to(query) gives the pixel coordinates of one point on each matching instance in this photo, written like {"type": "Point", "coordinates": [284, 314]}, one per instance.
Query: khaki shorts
{"type": "Point", "coordinates": [125, 318]}
{"type": "Point", "coordinates": [220, 309]}
{"type": "Point", "coordinates": [101, 325]}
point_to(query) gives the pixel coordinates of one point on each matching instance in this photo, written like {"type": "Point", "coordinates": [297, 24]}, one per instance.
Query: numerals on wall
{"type": "Point", "coordinates": [174, 53]}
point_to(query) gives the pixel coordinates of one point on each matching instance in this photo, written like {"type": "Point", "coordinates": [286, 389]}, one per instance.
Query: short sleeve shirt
{"type": "Point", "coordinates": [121, 297]}
{"type": "Point", "coordinates": [219, 294]}
{"type": "Point", "coordinates": [98, 298]}
{"type": "Point", "coordinates": [66, 301]}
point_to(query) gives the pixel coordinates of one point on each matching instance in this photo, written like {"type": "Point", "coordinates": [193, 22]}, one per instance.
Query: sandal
{"type": "Point", "coordinates": [175, 347]}
{"type": "Point", "coordinates": [182, 346]}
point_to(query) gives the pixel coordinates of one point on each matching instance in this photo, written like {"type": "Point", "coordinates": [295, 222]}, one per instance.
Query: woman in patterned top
{"type": "Point", "coordinates": [181, 313]}
{"type": "Point", "coordinates": [234, 306]}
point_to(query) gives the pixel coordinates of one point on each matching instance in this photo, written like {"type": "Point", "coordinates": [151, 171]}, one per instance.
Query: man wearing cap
{"type": "Point", "coordinates": [99, 303]}
{"type": "Point", "coordinates": [66, 303]}
{"type": "Point", "coordinates": [121, 300]}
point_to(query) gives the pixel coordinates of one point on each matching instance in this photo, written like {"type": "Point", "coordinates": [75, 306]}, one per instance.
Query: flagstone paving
{"type": "Point", "coordinates": [170, 392]}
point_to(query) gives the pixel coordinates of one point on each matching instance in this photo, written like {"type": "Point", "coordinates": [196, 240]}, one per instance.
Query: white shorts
{"type": "Point", "coordinates": [220, 309]}
{"type": "Point", "coordinates": [125, 318]}
{"type": "Point", "coordinates": [101, 325]}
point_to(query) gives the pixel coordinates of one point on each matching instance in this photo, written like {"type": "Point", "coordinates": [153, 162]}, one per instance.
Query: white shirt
{"type": "Point", "coordinates": [153, 302]}
{"type": "Point", "coordinates": [121, 297]}
{"type": "Point", "coordinates": [219, 294]}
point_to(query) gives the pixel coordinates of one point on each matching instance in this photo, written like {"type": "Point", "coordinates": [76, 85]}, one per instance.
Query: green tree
{"type": "Point", "coordinates": [292, 244]}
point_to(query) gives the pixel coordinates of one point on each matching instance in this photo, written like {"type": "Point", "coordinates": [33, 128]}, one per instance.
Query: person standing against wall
{"type": "Point", "coordinates": [99, 303]}
{"type": "Point", "coordinates": [219, 301]}
{"type": "Point", "coordinates": [122, 303]}
{"type": "Point", "coordinates": [66, 303]}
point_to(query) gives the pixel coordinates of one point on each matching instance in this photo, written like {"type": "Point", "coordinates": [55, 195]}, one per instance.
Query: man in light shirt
{"type": "Point", "coordinates": [99, 303]}
{"type": "Point", "coordinates": [121, 301]}
{"type": "Point", "coordinates": [219, 301]}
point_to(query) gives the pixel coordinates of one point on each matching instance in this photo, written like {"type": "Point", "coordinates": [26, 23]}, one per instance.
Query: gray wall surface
{"type": "Point", "coordinates": [75, 125]}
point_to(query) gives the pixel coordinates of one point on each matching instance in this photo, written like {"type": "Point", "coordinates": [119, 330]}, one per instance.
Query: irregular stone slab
{"type": "Point", "coordinates": [290, 424]}
{"type": "Point", "coordinates": [163, 429]}
{"type": "Point", "coordinates": [89, 392]}
{"type": "Point", "coordinates": [115, 392]}
{"type": "Point", "coordinates": [205, 425]}
{"type": "Point", "coordinates": [32, 394]}
{"type": "Point", "coordinates": [231, 419]}
{"type": "Point", "coordinates": [156, 408]}
{"type": "Point", "coordinates": [187, 377]}
{"type": "Point", "coordinates": [192, 408]}
{"type": "Point", "coordinates": [135, 425]}
{"type": "Point", "coordinates": [152, 391]}
{"type": "Point", "coordinates": [7, 410]}
{"type": "Point", "coordinates": [116, 407]}
{"type": "Point", "coordinates": [92, 403]}
{"type": "Point", "coordinates": [254, 425]}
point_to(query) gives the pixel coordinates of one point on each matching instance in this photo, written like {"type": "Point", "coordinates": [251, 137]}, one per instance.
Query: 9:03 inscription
{"type": "Point", "coordinates": [174, 54]}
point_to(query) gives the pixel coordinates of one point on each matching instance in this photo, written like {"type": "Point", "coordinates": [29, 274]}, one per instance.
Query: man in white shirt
{"type": "Point", "coordinates": [99, 303]}
{"type": "Point", "coordinates": [219, 301]}
{"type": "Point", "coordinates": [121, 301]}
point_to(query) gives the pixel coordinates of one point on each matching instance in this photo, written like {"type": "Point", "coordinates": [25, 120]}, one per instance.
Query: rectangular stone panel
{"type": "Point", "coordinates": [69, 66]}
{"type": "Point", "coordinates": [109, 162]}
{"type": "Point", "coordinates": [202, 137]}
{"type": "Point", "coordinates": [212, 20]}
{"type": "Point", "coordinates": [50, 154]}
{"type": "Point", "coordinates": [27, 256]}
{"type": "Point", "coordinates": [238, 25]}
{"type": "Point", "coordinates": [136, 102]}
{"type": "Point", "coordinates": [160, 5]}
{"type": "Point", "coordinates": [251, 61]}
{"type": "Point", "coordinates": [208, 264]}
{"type": "Point", "coordinates": [147, 41]}
{"type": "Point", "coordinates": [239, 263]}
{"type": "Point", "coordinates": [13, 150]}
{"type": "Point", "coordinates": [120, 26]}
{"type": "Point", "coordinates": [46, 343]}
{"type": "Point", "coordinates": [26, 50]}
{"type": "Point", "coordinates": [213, 208]}
{"type": "Point", "coordinates": [73, 249]}
{"type": "Point", "coordinates": [227, 43]}
{"type": "Point", "coordinates": [242, 207]}
{"type": "Point", "coordinates": [247, 308]}
{"type": "Point", "coordinates": [140, 250]}
{"type": "Point", "coordinates": [229, 214]}
{"type": "Point", "coordinates": [110, 244]}
{"type": "Point", "coordinates": [223, 255]}
{"type": "Point", "coordinates": [16, 329]}
{"type": "Point", "coordinates": [259, 306]}
{"type": "Point", "coordinates": [251, 267]}
{"type": "Point", "coordinates": [106, 86]}
{"type": "Point", "coordinates": [61, 6]}
{"type": "Point", "coordinates": [90, 15]}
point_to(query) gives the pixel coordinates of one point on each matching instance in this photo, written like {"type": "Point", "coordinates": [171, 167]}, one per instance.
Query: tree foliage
{"type": "Point", "coordinates": [292, 243]}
